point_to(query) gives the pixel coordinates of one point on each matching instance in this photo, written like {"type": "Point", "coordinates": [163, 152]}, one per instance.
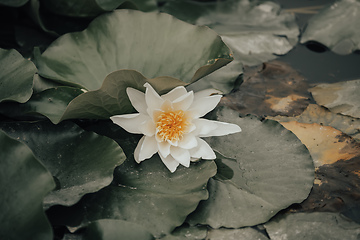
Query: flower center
{"type": "Point", "coordinates": [171, 125]}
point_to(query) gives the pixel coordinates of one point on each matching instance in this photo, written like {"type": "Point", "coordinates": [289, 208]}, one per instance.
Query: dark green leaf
{"type": "Point", "coordinates": [24, 183]}
{"type": "Point", "coordinates": [80, 161]}
{"type": "Point", "coordinates": [50, 103]}
{"type": "Point", "coordinates": [147, 194]}
{"type": "Point", "coordinates": [13, 3]}
{"type": "Point", "coordinates": [154, 44]}
{"type": "Point", "coordinates": [273, 170]}
{"type": "Point", "coordinates": [16, 76]}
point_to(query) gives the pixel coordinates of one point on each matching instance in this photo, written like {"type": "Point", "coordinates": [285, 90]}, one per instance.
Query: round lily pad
{"type": "Point", "coordinates": [81, 162]}
{"type": "Point", "coordinates": [271, 169]}
{"type": "Point", "coordinates": [24, 184]}
{"type": "Point", "coordinates": [317, 225]}
{"type": "Point", "coordinates": [16, 76]}
{"type": "Point", "coordinates": [147, 194]}
{"type": "Point", "coordinates": [155, 44]}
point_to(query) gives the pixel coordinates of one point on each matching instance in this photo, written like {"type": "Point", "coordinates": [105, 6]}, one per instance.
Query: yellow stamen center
{"type": "Point", "coordinates": [171, 125]}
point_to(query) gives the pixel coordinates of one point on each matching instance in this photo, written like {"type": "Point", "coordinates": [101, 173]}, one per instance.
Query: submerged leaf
{"type": "Point", "coordinates": [24, 184]}
{"type": "Point", "coordinates": [317, 114]}
{"type": "Point", "coordinates": [337, 176]}
{"type": "Point", "coordinates": [129, 39]}
{"type": "Point", "coordinates": [16, 76]}
{"type": "Point", "coordinates": [273, 170]}
{"type": "Point", "coordinates": [336, 26]}
{"type": "Point", "coordinates": [319, 226]}
{"type": "Point", "coordinates": [326, 144]}
{"type": "Point", "coordinates": [341, 97]}
{"type": "Point", "coordinates": [81, 162]}
{"type": "Point", "coordinates": [274, 88]}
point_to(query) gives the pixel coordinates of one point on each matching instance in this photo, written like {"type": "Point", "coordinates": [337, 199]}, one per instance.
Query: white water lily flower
{"type": "Point", "coordinates": [172, 126]}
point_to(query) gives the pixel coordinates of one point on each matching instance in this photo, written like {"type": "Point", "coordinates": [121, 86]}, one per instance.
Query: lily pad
{"type": "Point", "coordinates": [82, 8]}
{"type": "Point", "coordinates": [273, 170]}
{"type": "Point", "coordinates": [336, 26]}
{"type": "Point", "coordinates": [13, 3]}
{"type": "Point", "coordinates": [92, 8]}
{"type": "Point", "coordinates": [129, 39]}
{"type": "Point", "coordinates": [16, 76]}
{"type": "Point", "coordinates": [235, 234]}
{"type": "Point", "coordinates": [109, 229]}
{"type": "Point", "coordinates": [186, 232]}
{"type": "Point", "coordinates": [81, 162]}
{"type": "Point", "coordinates": [24, 184]}
{"type": "Point", "coordinates": [319, 226]}
{"type": "Point", "coordinates": [341, 97]}
{"type": "Point", "coordinates": [146, 194]}
{"type": "Point", "coordinates": [317, 114]}
{"type": "Point", "coordinates": [256, 31]}
{"type": "Point", "coordinates": [50, 103]}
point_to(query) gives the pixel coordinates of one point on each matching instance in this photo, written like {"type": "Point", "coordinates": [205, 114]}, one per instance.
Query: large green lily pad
{"type": "Point", "coordinates": [80, 161]}
{"type": "Point", "coordinates": [272, 170]}
{"type": "Point", "coordinates": [336, 26]}
{"type": "Point", "coordinates": [235, 234]}
{"type": "Point", "coordinates": [147, 194]}
{"type": "Point", "coordinates": [24, 184]}
{"type": "Point", "coordinates": [341, 97]}
{"type": "Point", "coordinates": [129, 39]}
{"type": "Point", "coordinates": [16, 76]}
{"type": "Point", "coordinates": [13, 3]}
{"type": "Point", "coordinates": [109, 229]}
{"type": "Point", "coordinates": [319, 226]}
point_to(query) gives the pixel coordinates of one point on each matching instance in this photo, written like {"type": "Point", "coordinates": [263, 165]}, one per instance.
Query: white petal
{"type": "Point", "coordinates": [202, 106]}
{"type": "Point", "coordinates": [152, 98]}
{"type": "Point", "coordinates": [137, 99]}
{"type": "Point", "coordinates": [175, 93]}
{"type": "Point", "coordinates": [164, 148]}
{"type": "Point", "coordinates": [170, 162]}
{"type": "Point", "coordinates": [181, 155]}
{"type": "Point", "coordinates": [137, 149]}
{"type": "Point", "coordinates": [148, 148]}
{"type": "Point", "coordinates": [188, 141]}
{"type": "Point", "coordinates": [203, 150]}
{"type": "Point", "coordinates": [222, 129]}
{"type": "Point", "coordinates": [130, 122]}
{"type": "Point", "coordinates": [148, 128]}
{"type": "Point", "coordinates": [206, 93]}
{"type": "Point", "coordinates": [183, 102]}
{"type": "Point", "coordinates": [203, 126]}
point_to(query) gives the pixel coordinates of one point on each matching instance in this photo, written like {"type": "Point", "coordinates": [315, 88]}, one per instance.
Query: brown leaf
{"type": "Point", "coordinates": [271, 89]}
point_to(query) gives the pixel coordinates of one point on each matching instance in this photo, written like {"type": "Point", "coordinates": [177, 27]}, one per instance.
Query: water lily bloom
{"type": "Point", "coordinates": [172, 125]}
